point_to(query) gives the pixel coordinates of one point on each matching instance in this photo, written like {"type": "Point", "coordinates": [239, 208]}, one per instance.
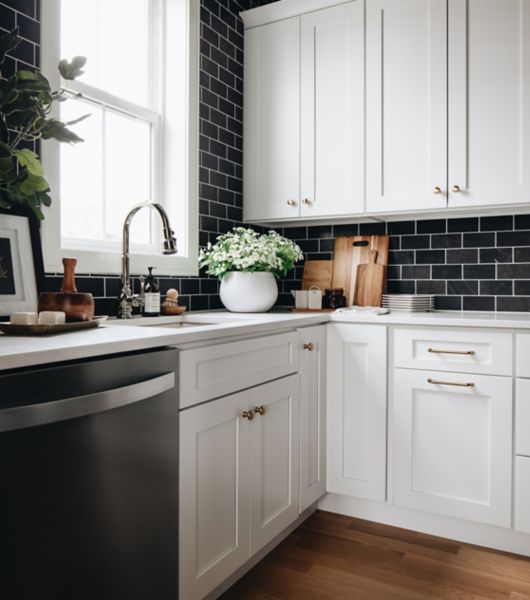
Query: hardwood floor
{"type": "Point", "coordinates": [332, 557]}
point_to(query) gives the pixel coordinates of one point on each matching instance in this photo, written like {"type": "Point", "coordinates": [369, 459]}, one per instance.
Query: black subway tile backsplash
{"type": "Point", "coordinates": [469, 263]}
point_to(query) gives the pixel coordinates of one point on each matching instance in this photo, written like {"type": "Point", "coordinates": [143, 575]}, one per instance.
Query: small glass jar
{"type": "Point", "coordinates": [334, 298]}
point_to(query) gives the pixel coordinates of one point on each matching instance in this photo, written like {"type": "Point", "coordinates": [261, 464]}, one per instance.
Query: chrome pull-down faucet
{"type": "Point", "coordinates": [128, 300]}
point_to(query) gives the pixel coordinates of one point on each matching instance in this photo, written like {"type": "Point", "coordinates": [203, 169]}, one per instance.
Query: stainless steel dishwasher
{"type": "Point", "coordinates": [89, 480]}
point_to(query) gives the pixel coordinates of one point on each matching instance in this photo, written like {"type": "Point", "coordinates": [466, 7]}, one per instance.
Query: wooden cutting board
{"type": "Point", "coordinates": [317, 272]}
{"type": "Point", "coordinates": [370, 282]}
{"type": "Point", "coordinates": [352, 251]}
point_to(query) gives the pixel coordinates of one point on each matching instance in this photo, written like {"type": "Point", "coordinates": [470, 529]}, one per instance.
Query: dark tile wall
{"type": "Point", "coordinates": [469, 263]}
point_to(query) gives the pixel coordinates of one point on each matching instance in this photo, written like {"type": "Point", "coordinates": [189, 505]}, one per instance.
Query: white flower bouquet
{"type": "Point", "coordinates": [246, 250]}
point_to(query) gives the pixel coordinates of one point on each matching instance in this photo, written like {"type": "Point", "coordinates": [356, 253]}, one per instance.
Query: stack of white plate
{"type": "Point", "coordinates": [408, 302]}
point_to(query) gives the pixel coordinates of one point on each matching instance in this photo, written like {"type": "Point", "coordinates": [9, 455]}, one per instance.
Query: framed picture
{"type": "Point", "coordinates": [21, 265]}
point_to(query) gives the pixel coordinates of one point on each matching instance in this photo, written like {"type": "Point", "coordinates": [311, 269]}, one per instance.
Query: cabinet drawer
{"type": "Point", "coordinates": [522, 494]}
{"type": "Point", "coordinates": [215, 371]}
{"type": "Point", "coordinates": [457, 350]}
{"type": "Point", "coordinates": [522, 417]}
{"type": "Point", "coordinates": [523, 354]}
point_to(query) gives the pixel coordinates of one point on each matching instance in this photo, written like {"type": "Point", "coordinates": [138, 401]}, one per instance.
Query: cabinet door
{"type": "Point", "coordinates": [356, 400]}
{"type": "Point", "coordinates": [312, 415]}
{"type": "Point", "coordinates": [406, 104]}
{"type": "Point", "coordinates": [332, 79]}
{"type": "Point", "coordinates": [275, 462]}
{"type": "Point", "coordinates": [272, 121]}
{"type": "Point", "coordinates": [522, 494]}
{"type": "Point", "coordinates": [489, 102]}
{"type": "Point", "coordinates": [214, 483]}
{"type": "Point", "coordinates": [453, 445]}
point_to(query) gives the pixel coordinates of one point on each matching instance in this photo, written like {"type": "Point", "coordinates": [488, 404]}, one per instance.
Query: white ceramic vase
{"type": "Point", "coordinates": [248, 292]}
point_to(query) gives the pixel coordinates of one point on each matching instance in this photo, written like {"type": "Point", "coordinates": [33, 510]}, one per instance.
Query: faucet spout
{"type": "Point", "coordinates": [169, 246]}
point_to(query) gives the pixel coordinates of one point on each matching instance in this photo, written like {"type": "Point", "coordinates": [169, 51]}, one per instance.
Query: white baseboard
{"type": "Point", "coordinates": [459, 530]}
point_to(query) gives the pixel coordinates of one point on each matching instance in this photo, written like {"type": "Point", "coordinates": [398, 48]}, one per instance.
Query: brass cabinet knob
{"type": "Point", "coordinates": [248, 414]}
{"type": "Point", "coordinates": [306, 201]}
{"type": "Point", "coordinates": [291, 202]}
{"type": "Point", "coordinates": [456, 189]}
{"type": "Point", "coordinates": [310, 346]}
{"type": "Point", "coordinates": [259, 410]}
{"type": "Point", "coordinates": [437, 190]}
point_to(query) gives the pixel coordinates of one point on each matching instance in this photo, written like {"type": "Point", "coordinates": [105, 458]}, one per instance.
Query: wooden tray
{"type": "Point", "coordinates": [9, 329]}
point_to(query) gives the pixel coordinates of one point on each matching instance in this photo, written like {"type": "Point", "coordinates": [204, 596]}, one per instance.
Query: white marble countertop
{"type": "Point", "coordinates": [120, 336]}
{"type": "Point", "coordinates": [440, 318]}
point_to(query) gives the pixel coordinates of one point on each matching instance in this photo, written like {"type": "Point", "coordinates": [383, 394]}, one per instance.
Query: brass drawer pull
{"type": "Point", "coordinates": [248, 414]}
{"type": "Point", "coordinates": [259, 410]}
{"type": "Point", "coordinates": [462, 352]}
{"type": "Point", "coordinates": [435, 382]}
{"type": "Point", "coordinates": [310, 346]}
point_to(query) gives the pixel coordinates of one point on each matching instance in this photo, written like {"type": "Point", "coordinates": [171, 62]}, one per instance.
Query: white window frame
{"type": "Point", "coordinates": [178, 160]}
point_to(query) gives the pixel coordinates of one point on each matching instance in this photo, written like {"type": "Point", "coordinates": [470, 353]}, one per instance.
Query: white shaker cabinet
{"type": "Point", "coordinates": [406, 105]}
{"type": "Point", "coordinates": [239, 479]}
{"type": "Point", "coordinates": [489, 102]}
{"type": "Point", "coordinates": [274, 459]}
{"type": "Point", "coordinates": [304, 115]}
{"type": "Point", "coordinates": [312, 415]}
{"type": "Point", "coordinates": [357, 410]}
{"type": "Point", "coordinates": [332, 111]}
{"type": "Point", "coordinates": [453, 444]}
{"type": "Point", "coordinates": [214, 493]}
{"type": "Point", "coordinates": [271, 185]}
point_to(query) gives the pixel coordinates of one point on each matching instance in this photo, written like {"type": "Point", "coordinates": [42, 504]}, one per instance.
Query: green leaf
{"type": "Point", "coordinates": [32, 184]}
{"type": "Point", "coordinates": [71, 70]}
{"type": "Point", "coordinates": [78, 120]}
{"type": "Point", "coordinates": [8, 41]}
{"type": "Point", "coordinates": [28, 158]}
{"type": "Point", "coordinates": [44, 198]}
{"type": "Point", "coordinates": [58, 131]}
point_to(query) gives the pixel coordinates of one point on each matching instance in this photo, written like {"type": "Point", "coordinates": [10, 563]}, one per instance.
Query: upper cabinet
{"type": "Point", "coordinates": [489, 102]}
{"type": "Point", "coordinates": [304, 115]}
{"type": "Point", "coordinates": [271, 143]}
{"type": "Point", "coordinates": [406, 105]}
{"type": "Point", "coordinates": [445, 124]}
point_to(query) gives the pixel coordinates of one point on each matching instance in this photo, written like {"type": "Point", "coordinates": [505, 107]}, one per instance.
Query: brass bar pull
{"type": "Point", "coordinates": [248, 414]}
{"type": "Point", "coordinates": [461, 352]}
{"type": "Point", "coordinates": [310, 346]}
{"type": "Point", "coordinates": [435, 382]}
{"type": "Point", "coordinates": [259, 410]}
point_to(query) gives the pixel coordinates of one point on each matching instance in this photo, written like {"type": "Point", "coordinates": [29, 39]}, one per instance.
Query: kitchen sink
{"type": "Point", "coordinates": [187, 320]}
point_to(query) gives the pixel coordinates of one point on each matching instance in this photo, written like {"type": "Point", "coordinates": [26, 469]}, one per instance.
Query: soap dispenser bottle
{"type": "Point", "coordinates": [151, 296]}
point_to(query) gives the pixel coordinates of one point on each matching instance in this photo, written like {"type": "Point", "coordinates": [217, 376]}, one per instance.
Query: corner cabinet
{"type": "Point", "coordinates": [357, 410]}
{"type": "Point", "coordinates": [304, 116]}
{"type": "Point", "coordinates": [312, 415]}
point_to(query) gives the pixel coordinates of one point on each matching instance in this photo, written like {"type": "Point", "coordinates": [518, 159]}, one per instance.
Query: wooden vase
{"type": "Point", "coordinates": [76, 305]}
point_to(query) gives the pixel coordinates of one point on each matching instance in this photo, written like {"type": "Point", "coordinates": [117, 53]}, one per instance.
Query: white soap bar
{"type": "Point", "coordinates": [24, 318]}
{"type": "Point", "coordinates": [51, 317]}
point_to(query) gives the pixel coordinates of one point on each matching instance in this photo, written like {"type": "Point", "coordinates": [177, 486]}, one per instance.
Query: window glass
{"type": "Point", "coordinates": [114, 36]}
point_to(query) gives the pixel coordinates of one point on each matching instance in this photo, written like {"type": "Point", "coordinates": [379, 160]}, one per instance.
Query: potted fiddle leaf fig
{"type": "Point", "coordinates": [26, 101]}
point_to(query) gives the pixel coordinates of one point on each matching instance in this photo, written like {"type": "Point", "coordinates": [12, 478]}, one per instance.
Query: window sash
{"type": "Point", "coordinates": [181, 28]}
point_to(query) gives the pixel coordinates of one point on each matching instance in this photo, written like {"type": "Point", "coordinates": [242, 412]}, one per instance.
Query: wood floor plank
{"type": "Point", "coordinates": [333, 557]}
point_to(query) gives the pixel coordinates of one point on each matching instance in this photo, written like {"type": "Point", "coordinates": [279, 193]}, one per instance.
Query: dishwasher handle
{"type": "Point", "coordinates": [22, 417]}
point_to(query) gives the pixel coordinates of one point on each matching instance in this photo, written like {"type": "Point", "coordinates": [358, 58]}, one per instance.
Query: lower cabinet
{"type": "Point", "coordinates": [452, 439]}
{"type": "Point", "coordinates": [312, 415]}
{"type": "Point", "coordinates": [522, 494]}
{"type": "Point", "coordinates": [239, 479]}
{"type": "Point", "coordinates": [357, 410]}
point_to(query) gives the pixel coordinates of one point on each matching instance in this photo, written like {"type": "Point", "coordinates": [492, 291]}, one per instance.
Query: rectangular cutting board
{"type": "Point", "coordinates": [352, 251]}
